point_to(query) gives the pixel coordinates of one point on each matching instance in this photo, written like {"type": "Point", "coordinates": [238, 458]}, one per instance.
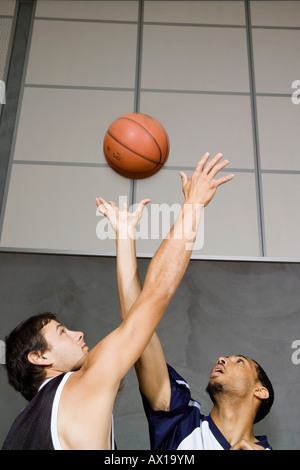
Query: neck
{"type": "Point", "coordinates": [52, 373]}
{"type": "Point", "coordinates": [234, 421]}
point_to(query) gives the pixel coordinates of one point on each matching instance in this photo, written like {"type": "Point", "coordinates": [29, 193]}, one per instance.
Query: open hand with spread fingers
{"type": "Point", "coordinates": [202, 185]}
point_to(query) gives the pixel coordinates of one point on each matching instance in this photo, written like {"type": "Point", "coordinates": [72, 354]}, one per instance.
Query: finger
{"type": "Point", "coordinates": [223, 180]}
{"type": "Point", "coordinates": [100, 201]}
{"type": "Point", "coordinates": [141, 206]}
{"type": "Point", "coordinates": [144, 201]}
{"type": "Point", "coordinates": [103, 206]}
{"type": "Point", "coordinates": [241, 445]}
{"type": "Point", "coordinates": [99, 204]}
{"type": "Point", "coordinates": [202, 162]}
{"type": "Point", "coordinates": [184, 177]}
{"type": "Point", "coordinates": [218, 167]}
{"type": "Point", "coordinates": [212, 163]}
{"type": "Point", "coordinates": [112, 204]}
{"type": "Point", "coordinates": [102, 210]}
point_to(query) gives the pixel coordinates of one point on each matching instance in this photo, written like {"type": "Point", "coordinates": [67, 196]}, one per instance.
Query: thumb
{"type": "Point", "coordinates": [184, 178]}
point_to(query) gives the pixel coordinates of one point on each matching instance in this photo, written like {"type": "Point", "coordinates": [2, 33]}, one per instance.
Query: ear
{"type": "Point", "coordinates": [261, 392]}
{"type": "Point", "coordinates": [38, 359]}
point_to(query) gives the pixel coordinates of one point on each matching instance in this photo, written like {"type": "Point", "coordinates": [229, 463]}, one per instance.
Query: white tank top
{"type": "Point", "coordinates": [54, 415]}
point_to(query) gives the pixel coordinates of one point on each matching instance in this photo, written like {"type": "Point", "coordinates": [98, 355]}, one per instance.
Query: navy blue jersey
{"type": "Point", "coordinates": [183, 427]}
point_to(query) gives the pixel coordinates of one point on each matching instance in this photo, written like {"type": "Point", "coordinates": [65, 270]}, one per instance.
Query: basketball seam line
{"type": "Point", "coordinates": [143, 127]}
{"type": "Point", "coordinates": [123, 172]}
{"type": "Point", "coordinates": [128, 148]}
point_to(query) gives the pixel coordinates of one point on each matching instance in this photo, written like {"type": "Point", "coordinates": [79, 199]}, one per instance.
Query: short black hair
{"type": "Point", "coordinates": [266, 403]}
{"type": "Point", "coordinates": [25, 377]}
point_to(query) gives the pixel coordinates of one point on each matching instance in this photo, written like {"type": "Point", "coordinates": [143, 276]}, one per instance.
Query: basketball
{"type": "Point", "coordinates": [136, 145]}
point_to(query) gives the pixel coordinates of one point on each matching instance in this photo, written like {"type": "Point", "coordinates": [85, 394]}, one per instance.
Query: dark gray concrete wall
{"type": "Point", "coordinates": [220, 308]}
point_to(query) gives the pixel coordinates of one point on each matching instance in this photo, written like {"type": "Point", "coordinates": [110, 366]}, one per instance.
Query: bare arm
{"type": "Point", "coordinates": [151, 367]}
{"type": "Point", "coordinates": [110, 359]}
{"type": "Point", "coordinates": [124, 224]}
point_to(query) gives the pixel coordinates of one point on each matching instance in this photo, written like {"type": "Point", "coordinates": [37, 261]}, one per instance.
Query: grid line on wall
{"type": "Point", "coordinates": [136, 106]}
{"type": "Point", "coordinates": [255, 131]}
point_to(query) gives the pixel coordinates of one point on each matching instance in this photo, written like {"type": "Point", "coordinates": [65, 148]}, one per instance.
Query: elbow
{"type": "Point", "coordinates": [158, 294]}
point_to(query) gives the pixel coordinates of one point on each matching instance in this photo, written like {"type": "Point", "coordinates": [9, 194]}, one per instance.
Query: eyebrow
{"type": "Point", "coordinates": [241, 355]}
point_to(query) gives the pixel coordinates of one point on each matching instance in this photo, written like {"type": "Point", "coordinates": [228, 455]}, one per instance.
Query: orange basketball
{"type": "Point", "coordinates": [136, 145]}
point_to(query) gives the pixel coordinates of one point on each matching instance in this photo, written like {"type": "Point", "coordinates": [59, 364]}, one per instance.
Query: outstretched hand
{"type": "Point", "coordinates": [122, 221]}
{"type": "Point", "coordinates": [202, 185]}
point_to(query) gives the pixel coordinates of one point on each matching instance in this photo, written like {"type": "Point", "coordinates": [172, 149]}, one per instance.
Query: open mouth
{"type": "Point", "coordinates": [217, 370]}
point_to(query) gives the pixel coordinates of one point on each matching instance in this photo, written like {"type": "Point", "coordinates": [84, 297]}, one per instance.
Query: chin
{"type": "Point", "coordinates": [78, 364]}
{"type": "Point", "coordinates": [214, 388]}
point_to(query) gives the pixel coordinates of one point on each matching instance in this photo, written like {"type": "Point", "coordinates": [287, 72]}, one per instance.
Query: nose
{"type": "Point", "coordinates": [77, 335]}
{"type": "Point", "coordinates": [222, 360]}
{"type": "Point", "coordinates": [80, 335]}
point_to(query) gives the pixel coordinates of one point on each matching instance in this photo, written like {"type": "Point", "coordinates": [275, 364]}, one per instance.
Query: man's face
{"type": "Point", "coordinates": [234, 376]}
{"type": "Point", "coordinates": [67, 349]}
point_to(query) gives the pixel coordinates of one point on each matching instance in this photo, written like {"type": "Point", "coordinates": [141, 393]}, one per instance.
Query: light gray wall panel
{"type": "Point", "coordinates": [281, 207]}
{"type": "Point", "coordinates": [283, 13]}
{"type": "Point", "coordinates": [76, 53]}
{"type": "Point", "coordinates": [185, 58]}
{"type": "Point", "coordinates": [274, 59]}
{"type": "Point", "coordinates": [197, 123]}
{"type": "Point", "coordinates": [204, 12]}
{"type": "Point", "coordinates": [67, 125]}
{"type": "Point", "coordinates": [279, 137]}
{"type": "Point", "coordinates": [89, 10]}
{"type": "Point", "coordinates": [59, 211]}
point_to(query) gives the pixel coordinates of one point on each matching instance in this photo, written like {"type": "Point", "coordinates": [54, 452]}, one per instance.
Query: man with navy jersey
{"type": "Point", "coordinates": [180, 425]}
{"type": "Point", "coordinates": [238, 387]}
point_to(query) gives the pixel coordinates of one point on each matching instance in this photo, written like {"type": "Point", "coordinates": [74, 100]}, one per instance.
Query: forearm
{"type": "Point", "coordinates": [151, 368]}
{"type": "Point", "coordinates": [164, 274]}
{"type": "Point", "coordinates": [170, 261]}
{"type": "Point", "coordinates": [129, 285]}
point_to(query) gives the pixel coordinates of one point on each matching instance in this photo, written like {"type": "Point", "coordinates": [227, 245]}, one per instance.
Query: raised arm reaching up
{"type": "Point", "coordinates": [151, 367]}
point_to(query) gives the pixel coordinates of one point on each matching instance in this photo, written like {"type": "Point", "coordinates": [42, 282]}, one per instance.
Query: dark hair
{"type": "Point", "coordinates": [25, 377]}
{"type": "Point", "coordinates": [266, 403]}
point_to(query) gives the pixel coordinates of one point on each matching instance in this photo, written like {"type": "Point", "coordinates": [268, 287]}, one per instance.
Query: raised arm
{"type": "Point", "coordinates": [167, 267]}
{"type": "Point", "coordinates": [151, 368]}
{"type": "Point", "coordinates": [124, 224]}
